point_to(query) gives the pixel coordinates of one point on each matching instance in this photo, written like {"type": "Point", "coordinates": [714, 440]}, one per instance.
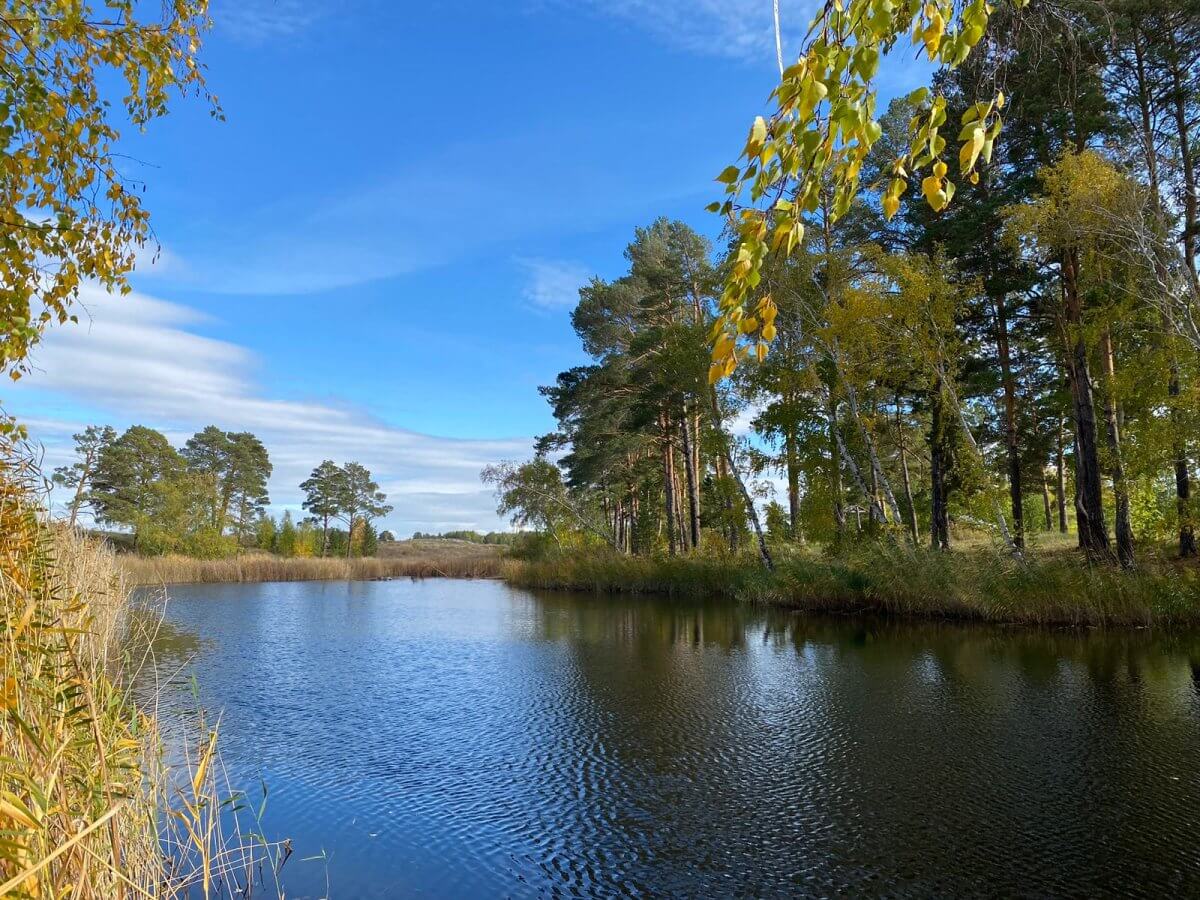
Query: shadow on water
{"type": "Point", "coordinates": [469, 739]}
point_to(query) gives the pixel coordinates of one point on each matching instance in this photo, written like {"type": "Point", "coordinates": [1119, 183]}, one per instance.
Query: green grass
{"type": "Point", "coordinates": [1049, 588]}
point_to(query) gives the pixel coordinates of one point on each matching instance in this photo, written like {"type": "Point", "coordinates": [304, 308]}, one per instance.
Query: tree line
{"type": "Point", "coordinates": [209, 498]}
{"type": "Point", "coordinates": [1023, 361]}
{"type": "Point", "coordinates": [500, 538]}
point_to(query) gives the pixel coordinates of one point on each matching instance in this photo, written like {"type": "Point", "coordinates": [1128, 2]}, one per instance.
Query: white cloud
{"type": "Point", "coordinates": [742, 425]}
{"type": "Point", "coordinates": [737, 29]}
{"type": "Point", "coordinates": [553, 284]}
{"type": "Point", "coordinates": [154, 259]}
{"type": "Point", "coordinates": [463, 197]}
{"type": "Point", "coordinates": [135, 360]}
{"type": "Point", "coordinates": [261, 21]}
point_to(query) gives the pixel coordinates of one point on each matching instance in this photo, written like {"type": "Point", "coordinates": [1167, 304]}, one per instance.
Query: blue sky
{"type": "Point", "coordinates": [375, 255]}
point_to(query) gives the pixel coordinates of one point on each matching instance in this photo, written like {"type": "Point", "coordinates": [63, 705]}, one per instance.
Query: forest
{"type": "Point", "coordinates": [209, 499]}
{"type": "Point", "coordinates": [1009, 362]}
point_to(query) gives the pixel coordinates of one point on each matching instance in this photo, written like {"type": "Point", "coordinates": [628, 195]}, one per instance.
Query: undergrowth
{"type": "Point", "coordinates": [895, 579]}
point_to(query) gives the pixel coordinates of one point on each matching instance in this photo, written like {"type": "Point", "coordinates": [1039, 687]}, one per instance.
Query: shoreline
{"type": "Point", "coordinates": [896, 582]}
{"type": "Point", "coordinates": [1059, 591]}
{"type": "Point", "coordinates": [158, 571]}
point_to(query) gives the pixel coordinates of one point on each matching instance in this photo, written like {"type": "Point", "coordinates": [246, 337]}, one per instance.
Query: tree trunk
{"type": "Point", "coordinates": [1046, 502]}
{"type": "Point", "coordinates": [694, 465]}
{"type": "Point", "coordinates": [1183, 488]}
{"type": "Point", "coordinates": [1124, 526]}
{"type": "Point", "coordinates": [690, 439]}
{"type": "Point", "coordinates": [634, 519]}
{"type": "Point", "coordinates": [668, 462]}
{"type": "Point", "coordinates": [732, 534]}
{"type": "Point", "coordinates": [1180, 92]}
{"type": "Point", "coordinates": [682, 529]}
{"type": "Point", "coordinates": [618, 524]}
{"type": "Point", "coordinates": [1010, 423]}
{"type": "Point", "coordinates": [1061, 483]}
{"type": "Point", "coordinates": [913, 529]}
{"type": "Point", "coordinates": [939, 513]}
{"type": "Point", "coordinates": [763, 552]}
{"type": "Point", "coordinates": [77, 500]}
{"type": "Point", "coordinates": [1093, 532]}
{"type": "Point", "coordinates": [878, 479]}
{"type": "Point", "coordinates": [876, 510]}
{"type": "Point", "coordinates": [835, 475]}
{"type": "Point", "coordinates": [792, 461]}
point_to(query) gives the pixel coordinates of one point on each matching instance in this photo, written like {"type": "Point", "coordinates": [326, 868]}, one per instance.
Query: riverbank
{"type": "Point", "coordinates": [1055, 590]}
{"type": "Point", "coordinates": [399, 559]}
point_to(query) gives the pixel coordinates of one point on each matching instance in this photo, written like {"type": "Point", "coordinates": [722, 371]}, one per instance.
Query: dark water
{"type": "Point", "coordinates": [460, 739]}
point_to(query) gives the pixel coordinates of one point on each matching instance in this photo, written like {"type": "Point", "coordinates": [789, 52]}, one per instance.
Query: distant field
{"type": "Point", "coordinates": [396, 559]}
{"type": "Point", "coordinates": [429, 548]}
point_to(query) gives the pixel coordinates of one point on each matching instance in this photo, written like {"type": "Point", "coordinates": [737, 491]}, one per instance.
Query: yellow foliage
{"type": "Point", "coordinates": [810, 150]}
{"type": "Point", "coordinates": [69, 213]}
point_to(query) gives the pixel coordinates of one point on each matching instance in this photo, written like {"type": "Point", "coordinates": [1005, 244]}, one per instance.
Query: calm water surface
{"type": "Point", "coordinates": [462, 739]}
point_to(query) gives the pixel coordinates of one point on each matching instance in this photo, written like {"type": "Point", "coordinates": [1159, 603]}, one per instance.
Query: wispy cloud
{"type": "Point", "coordinates": [737, 29]}
{"type": "Point", "coordinates": [261, 21]}
{"type": "Point", "coordinates": [138, 359]}
{"type": "Point", "coordinates": [552, 284]}
{"type": "Point", "coordinates": [466, 196]}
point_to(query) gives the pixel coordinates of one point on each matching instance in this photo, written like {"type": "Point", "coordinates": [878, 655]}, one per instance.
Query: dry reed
{"type": "Point", "coordinates": [88, 805]}
{"type": "Point", "coordinates": [424, 562]}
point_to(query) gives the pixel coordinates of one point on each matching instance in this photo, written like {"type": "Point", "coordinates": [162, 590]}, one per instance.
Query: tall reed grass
{"type": "Point", "coordinates": [1048, 590]}
{"type": "Point", "coordinates": [159, 570]}
{"type": "Point", "coordinates": [89, 807]}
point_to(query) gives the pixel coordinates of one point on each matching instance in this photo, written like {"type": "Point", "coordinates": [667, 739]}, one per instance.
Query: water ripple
{"type": "Point", "coordinates": [464, 739]}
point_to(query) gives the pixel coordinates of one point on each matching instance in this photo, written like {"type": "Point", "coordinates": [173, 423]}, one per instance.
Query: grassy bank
{"type": "Point", "coordinates": [1053, 590]}
{"type": "Point", "coordinates": [88, 805]}
{"type": "Point", "coordinates": [415, 559]}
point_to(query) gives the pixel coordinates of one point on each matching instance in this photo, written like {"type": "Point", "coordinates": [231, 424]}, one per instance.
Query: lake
{"type": "Point", "coordinates": [467, 739]}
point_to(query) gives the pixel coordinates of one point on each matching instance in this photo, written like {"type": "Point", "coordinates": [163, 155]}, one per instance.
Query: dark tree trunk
{"type": "Point", "coordinates": [685, 540]}
{"type": "Point", "coordinates": [668, 463]}
{"type": "Point", "coordinates": [1124, 526]}
{"type": "Point", "coordinates": [635, 546]}
{"type": "Point", "coordinates": [1180, 92]}
{"type": "Point", "coordinates": [1187, 530]}
{"type": "Point", "coordinates": [1046, 503]}
{"type": "Point", "coordinates": [690, 439]}
{"type": "Point", "coordinates": [1089, 507]}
